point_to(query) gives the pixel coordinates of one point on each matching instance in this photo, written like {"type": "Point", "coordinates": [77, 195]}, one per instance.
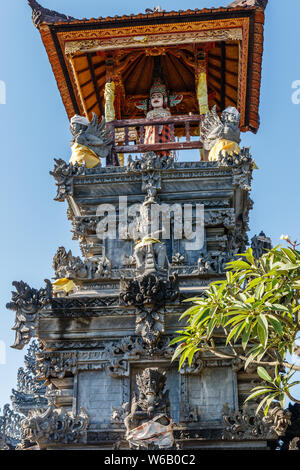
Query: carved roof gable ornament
{"type": "Point", "coordinates": [249, 3]}
{"type": "Point", "coordinates": [41, 14]}
{"type": "Point", "coordinates": [154, 9]}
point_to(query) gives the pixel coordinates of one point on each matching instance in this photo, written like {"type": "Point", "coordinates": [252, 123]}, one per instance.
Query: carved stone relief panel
{"type": "Point", "coordinates": [99, 393]}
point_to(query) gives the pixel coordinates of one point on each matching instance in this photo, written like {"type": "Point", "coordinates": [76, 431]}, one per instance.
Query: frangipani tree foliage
{"type": "Point", "coordinates": [254, 316]}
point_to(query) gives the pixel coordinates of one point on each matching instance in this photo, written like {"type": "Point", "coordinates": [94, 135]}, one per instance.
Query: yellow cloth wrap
{"type": "Point", "coordinates": [84, 156]}
{"type": "Point", "coordinates": [63, 284]}
{"type": "Point", "coordinates": [202, 94]}
{"type": "Point", "coordinates": [224, 146]}
{"type": "Point", "coordinates": [146, 241]}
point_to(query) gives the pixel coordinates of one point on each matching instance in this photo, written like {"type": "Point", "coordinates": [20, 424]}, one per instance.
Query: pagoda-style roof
{"type": "Point", "coordinates": [87, 53]}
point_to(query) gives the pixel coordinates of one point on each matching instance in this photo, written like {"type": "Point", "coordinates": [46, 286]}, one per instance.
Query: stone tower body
{"type": "Point", "coordinates": [154, 228]}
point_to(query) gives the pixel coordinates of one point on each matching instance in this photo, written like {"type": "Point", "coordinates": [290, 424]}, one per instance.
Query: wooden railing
{"type": "Point", "coordinates": [129, 135]}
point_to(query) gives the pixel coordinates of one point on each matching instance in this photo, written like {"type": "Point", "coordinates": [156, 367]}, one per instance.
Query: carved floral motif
{"type": "Point", "coordinates": [63, 174]}
{"type": "Point", "coordinates": [55, 425]}
{"type": "Point", "coordinates": [27, 302]}
{"type": "Point", "coordinates": [246, 425]}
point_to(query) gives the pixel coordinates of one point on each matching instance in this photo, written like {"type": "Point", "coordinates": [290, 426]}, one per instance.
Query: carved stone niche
{"type": "Point", "coordinates": [148, 423]}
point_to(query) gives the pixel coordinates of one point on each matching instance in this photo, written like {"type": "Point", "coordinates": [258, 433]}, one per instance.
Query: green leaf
{"type": "Point", "coordinates": [200, 317]}
{"type": "Point", "coordinates": [232, 333]}
{"type": "Point", "coordinates": [239, 264]}
{"type": "Point", "coordinates": [259, 291]}
{"type": "Point", "coordinates": [183, 357]}
{"type": "Point", "coordinates": [193, 299]}
{"type": "Point", "coordinates": [191, 354]}
{"type": "Point", "coordinates": [177, 340]}
{"type": "Point", "coordinates": [262, 403]}
{"type": "Point", "coordinates": [246, 335]}
{"type": "Point", "coordinates": [253, 283]}
{"type": "Point", "coordinates": [190, 311]}
{"type": "Point", "coordinates": [262, 329]}
{"type": "Point", "coordinates": [259, 392]}
{"type": "Point", "coordinates": [275, 324]}
{"type": "Point", "coordinates": [269, 402]}
{"type": "Point", "coordinates": [211, 326]}
{"type": "Point", "coordinates": [179, 350]}
{"type": "Point", "coordinates": [264, 374]}
{"type": "Point", "coordinates": [253, 353]}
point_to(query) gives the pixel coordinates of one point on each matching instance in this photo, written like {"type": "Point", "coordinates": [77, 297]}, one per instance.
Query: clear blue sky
{"type": "Point", "coordinates": [34, 129]}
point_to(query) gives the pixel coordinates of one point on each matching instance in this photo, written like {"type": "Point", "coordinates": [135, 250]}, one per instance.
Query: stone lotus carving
{"type": "Point", "coordinates": [246, 425]}
{"type": "Point", "coordinates": [55, 425]}
{"type": "Point", "coordinates": [63, 174]}
{"type": "Point", "coordinates": [27, 302]}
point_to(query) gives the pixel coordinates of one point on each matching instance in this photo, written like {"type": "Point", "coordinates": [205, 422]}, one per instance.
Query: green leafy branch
{"type": "Point", "coordinates": [253, 315]}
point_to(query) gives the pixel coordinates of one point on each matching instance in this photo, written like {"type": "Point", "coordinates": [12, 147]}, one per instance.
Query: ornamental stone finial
{"type": "Point", "coordinates": [41, 14]}
{"type": "Point", "coordinates": [249, 3]}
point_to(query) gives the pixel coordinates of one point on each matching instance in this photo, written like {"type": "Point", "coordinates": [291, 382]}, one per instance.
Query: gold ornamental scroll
{"type": "Point", "coordinates": [202, 94]}
{"type": "Point", "coordinates": [109, 96]}
{"type": "Point", "coordinates": [110, 113]}
{"type": "Point", "coordinates": [202, 90]}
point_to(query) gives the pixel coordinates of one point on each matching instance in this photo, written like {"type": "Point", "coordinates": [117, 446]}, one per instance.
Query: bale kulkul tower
{"type": "Point", "coordinates": [157, 184]}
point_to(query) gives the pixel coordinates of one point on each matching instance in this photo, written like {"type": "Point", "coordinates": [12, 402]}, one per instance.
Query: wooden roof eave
{"type": "Point", "coordinates": [69, 88]}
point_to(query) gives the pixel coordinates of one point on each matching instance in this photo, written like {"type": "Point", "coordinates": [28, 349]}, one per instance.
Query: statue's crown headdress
{"type": "Point", "coordinates": [76, 119]}
{"type": "Point", "coordinates": [233, 111]}
{"type": "Point", "coordinates": [158, 87]}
